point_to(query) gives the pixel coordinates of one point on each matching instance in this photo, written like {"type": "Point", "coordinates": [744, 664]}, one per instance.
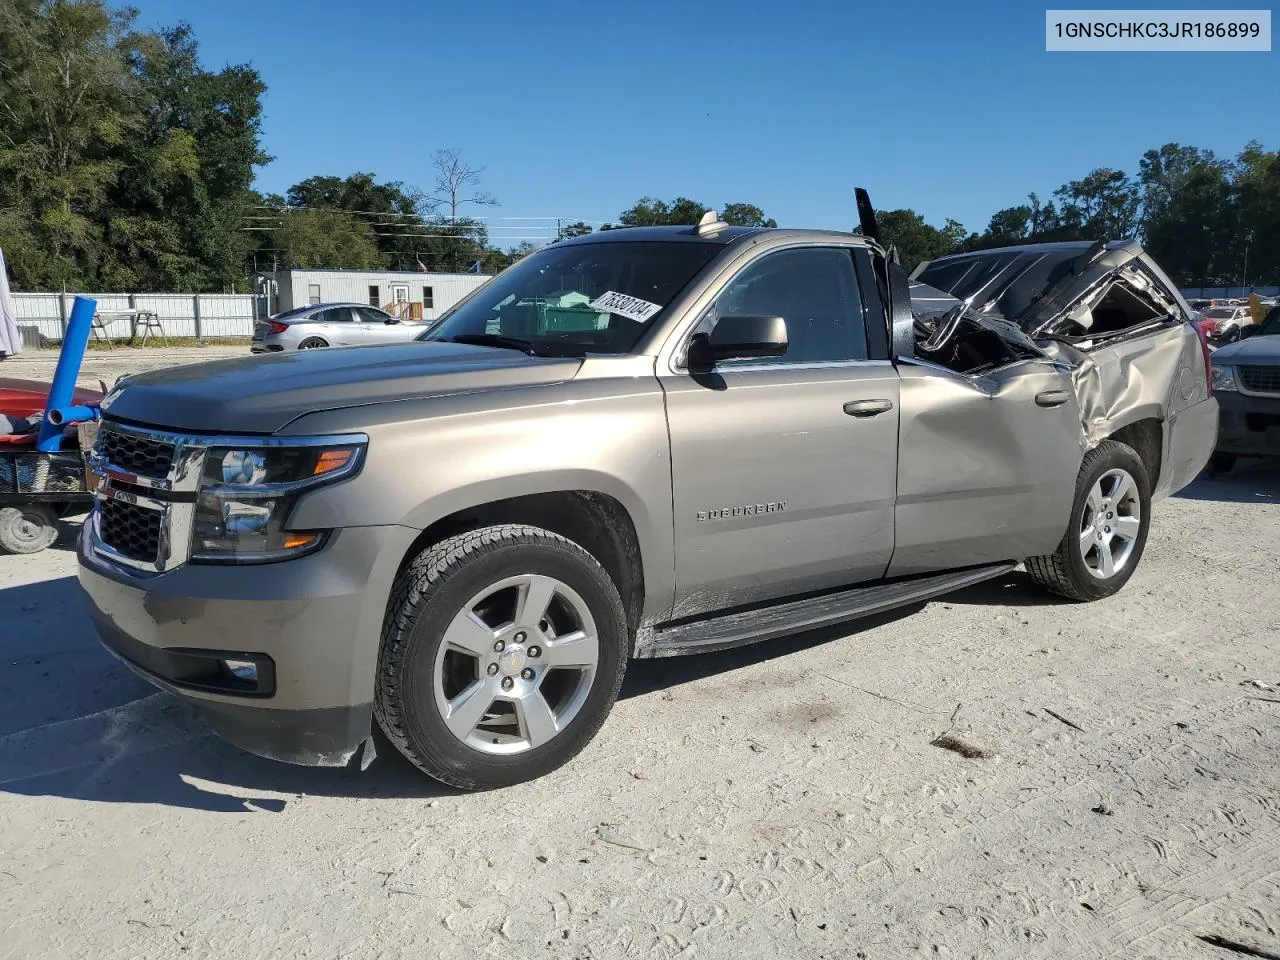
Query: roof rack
{"type": "Point", "coordinates": [710, 224]}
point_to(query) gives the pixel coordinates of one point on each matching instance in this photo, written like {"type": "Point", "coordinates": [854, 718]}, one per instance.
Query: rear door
{"type": "Point", "coordinates": [783, 468]}
{"type": "Point", "coordinates": [987, 465]}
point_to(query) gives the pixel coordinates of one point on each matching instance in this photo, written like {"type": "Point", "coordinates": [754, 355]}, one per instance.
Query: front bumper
{"type": "Point", "coordinates": [313, 625]}
{"type": "Point", "coordinates": [1248, 426]}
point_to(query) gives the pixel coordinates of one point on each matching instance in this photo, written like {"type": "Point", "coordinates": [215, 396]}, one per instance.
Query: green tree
{"type": "Point", "coordinates": [65, 110]}
{"type": "Point", "coordinates": [1103, 205]}
{"type": "Point", "coordinates": [652, 212]}
{"type": "Point", "coordinates": [915, 239]}
{"type": "Point", "coordinates": [578, 229]}
{"type": "Point", "coordinates": [123, 164]}
{"type": "Point", "coordinates": [746, 215]}
{"type": "Point", "coordinates": [1256, 183]}
{"type": "Point", "coordinates": [324, 240]}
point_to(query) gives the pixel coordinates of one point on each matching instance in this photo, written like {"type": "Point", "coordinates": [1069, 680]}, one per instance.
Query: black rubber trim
{"type": "Point", "coordinates": [877, 318]}
{"type": "Point", "coordinates": [188, 668]}
{"type": "Point", "coordinates": [794, 616]}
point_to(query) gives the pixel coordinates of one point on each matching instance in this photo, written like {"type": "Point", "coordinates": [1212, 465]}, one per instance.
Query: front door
{"type": "Point", "coordinates": [379, 327]}
{"type": "Point", "coordinates": [784, 469]}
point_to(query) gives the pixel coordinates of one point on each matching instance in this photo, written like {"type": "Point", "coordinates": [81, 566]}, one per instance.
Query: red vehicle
{"type": "Point", "coordinates": [37, 489]}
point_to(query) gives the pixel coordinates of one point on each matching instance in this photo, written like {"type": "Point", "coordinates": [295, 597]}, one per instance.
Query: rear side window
{"type": "Point", "coordinates": [334, 315]}
{"type": "Point", "coordinates": [815, 290]}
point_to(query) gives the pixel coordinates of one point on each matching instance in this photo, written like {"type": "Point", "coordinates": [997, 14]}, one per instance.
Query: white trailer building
{"type": "Point", "coordinates": [437, 292]}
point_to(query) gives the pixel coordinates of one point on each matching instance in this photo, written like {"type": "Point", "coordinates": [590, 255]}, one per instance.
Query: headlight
{"type": "Point", "coordinates": [1224, 378]}
{"type": "Point", "coordinates": [247, 494]}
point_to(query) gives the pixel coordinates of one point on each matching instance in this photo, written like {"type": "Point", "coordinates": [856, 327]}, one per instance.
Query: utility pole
{"type": "Point", "coordinates": [1244, 273]}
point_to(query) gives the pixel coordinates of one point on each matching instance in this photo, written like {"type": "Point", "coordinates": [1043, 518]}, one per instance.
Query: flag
{"type": "Point", "coordinates": [10, 339]}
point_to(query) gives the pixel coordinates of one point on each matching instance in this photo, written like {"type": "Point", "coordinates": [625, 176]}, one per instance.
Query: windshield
{"type": "Point", "coordinates": [579, 298]}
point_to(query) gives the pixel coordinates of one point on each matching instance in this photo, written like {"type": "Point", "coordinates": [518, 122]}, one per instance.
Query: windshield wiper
{"type": "Point", "coordinates": [533, 348]}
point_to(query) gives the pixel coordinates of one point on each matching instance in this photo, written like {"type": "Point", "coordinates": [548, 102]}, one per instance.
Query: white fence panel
{"type": "Point", "coordinates": [226, 314]}
{"type": "Point", "coordinates": [209, 315]}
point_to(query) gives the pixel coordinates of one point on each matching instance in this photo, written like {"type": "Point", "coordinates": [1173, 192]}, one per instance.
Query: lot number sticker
{"type": "Point", "coordinates": [633, 308]}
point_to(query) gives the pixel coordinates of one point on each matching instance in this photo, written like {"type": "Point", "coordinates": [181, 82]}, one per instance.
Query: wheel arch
{"type": "Point", "coordinates": [1146, 437]}
{"type": "Point", "coordinates": [596, 521]}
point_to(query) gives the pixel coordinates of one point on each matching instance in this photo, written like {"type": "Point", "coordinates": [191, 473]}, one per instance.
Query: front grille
{"type": "Point", "coordinates": [42, 473]}
{"type": "Point", "coordinates": [141, 455]}
{"type": "Point", "coordinates": [131, 531]}
{"type": "Point", "coordinates": [1260, 379]}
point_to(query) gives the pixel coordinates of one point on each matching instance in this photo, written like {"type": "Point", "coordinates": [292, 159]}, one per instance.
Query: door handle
{"type": "Point", "coordinates": [867, 408]}
{"type": "Point", "coordinates": [1052, 398]}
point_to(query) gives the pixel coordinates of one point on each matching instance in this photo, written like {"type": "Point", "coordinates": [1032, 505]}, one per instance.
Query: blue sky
{"type": "Point", "coordinates": [578, 108]}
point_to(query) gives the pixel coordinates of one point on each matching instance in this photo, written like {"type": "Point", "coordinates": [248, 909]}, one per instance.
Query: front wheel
{"type": "Point", "coordinates": [502, 654]}
{"type": "Point", "coordinates": [29, 528]}
{"type": "Point", "coordinates": [1108, 529]}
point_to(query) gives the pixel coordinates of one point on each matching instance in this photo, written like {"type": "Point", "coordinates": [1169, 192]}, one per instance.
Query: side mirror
{"type": "Point", "coordinates": [737, 338]}
{"type": "Point", "coordinates": [390, 320]}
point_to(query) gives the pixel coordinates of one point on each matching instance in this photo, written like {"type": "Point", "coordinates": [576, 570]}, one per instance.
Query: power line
{"type": "Point", "coordinates": [413, 216]}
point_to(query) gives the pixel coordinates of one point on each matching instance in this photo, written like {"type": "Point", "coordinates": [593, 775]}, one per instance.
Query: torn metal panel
{"type": "Point", "coordinates": [1159, 377]}
{"type": "Point", "coordinates": [986, 465]}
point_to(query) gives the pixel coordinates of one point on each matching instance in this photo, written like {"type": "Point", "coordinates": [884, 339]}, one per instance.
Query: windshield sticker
{"type": "Point", "coordinates": [633, 308]}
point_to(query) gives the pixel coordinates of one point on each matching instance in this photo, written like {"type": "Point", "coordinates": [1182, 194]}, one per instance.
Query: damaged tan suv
{"type": "Point", "coordinates": [639, 443]}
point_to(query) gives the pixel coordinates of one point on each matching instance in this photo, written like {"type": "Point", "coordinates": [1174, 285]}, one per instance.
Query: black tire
{"type": "Point", "coordinates": [29, 528]}
{"type": "Point", "coordinates": [1221, 463]}
{"type": "Point", "coordinates": [431, 590]}
{"type": "Point", "coordinates": [1065, 571]}
{"type": "Point", "coordinates": [313, 343]}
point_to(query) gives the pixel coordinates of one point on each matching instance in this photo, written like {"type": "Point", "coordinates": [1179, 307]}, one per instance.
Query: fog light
{"type": "Point", "coordinates": [242, 669]}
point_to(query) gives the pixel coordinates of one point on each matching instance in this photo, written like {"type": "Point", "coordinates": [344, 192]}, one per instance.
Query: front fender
{"type": "Point", "coordinates": [430, 459]}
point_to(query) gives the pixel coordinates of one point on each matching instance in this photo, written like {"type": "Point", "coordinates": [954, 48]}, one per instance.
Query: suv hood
{"type": "Point", "coordinates": [261, 394]}
{"type": "Point", "coordinates": [1263, 351]}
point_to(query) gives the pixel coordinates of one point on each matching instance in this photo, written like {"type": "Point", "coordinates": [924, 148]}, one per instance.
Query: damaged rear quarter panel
{"type": "Point", "coordinates": [1155, 376]}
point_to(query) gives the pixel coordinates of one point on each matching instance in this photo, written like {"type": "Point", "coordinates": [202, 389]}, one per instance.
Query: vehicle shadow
{"type": "Point", "coordinates": [1251, 481]}
{"type": "Point", "coordinates": [76, 723]}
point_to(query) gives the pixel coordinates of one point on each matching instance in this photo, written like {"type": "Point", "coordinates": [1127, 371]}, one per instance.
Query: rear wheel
{"type": "Point", "coordinates": [502, 654]}
{"type": "Point", "coordinates": [29, 528]}
{"type": "Point", "coordinates": [1108, 530]}
{"type": "Point", "coordinates": [313, 343]}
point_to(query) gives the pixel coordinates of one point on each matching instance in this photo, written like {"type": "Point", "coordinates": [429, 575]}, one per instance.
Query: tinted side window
{"type": "Point", "coordinates": [368, 315]}
{"type": "Point", "coordinates": [815, 290]}
{"type": "Point", "coordinates": [334, 315]}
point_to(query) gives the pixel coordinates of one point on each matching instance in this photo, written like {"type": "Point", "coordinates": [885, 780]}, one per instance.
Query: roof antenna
{"type": "Point", "coordinates": [710, 224]}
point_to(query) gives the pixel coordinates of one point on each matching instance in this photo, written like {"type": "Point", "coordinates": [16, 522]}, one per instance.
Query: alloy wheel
{"type": "Point", "coordinates": [1110, 524]}
{"type": "Point", "coordinates": [516, 664]}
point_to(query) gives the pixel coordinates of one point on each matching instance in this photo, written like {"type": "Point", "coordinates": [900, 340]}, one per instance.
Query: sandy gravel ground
{"type": "Point", "coordinates": [783, 801]}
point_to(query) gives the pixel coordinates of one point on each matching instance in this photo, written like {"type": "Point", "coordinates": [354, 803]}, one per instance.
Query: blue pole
{"type": "Point", "coordinates": [74, 343]}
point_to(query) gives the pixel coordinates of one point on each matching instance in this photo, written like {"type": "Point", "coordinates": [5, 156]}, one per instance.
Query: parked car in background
{"type": "Point", "coordinates": [1227, 322]}
{"type": "Point", "coordinates": [1246, 383]}
{"type": "Point", "coordinates": [331, 325]}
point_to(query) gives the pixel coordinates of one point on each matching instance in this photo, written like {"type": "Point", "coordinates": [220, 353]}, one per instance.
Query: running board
{"type": "Point", "coordinates": [797, 616]}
